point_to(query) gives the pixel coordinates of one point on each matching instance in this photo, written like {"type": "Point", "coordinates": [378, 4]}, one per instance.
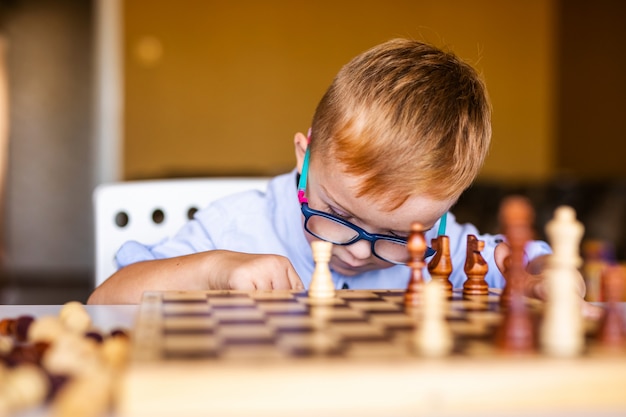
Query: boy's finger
{"type": "Point", "coordinates": [263, 284]}
{"type": "Point", "coordinates": [281, 283]}
{"type": "Point", "coordinates": [500, 254]}
{"type": "Point", "coordinates": [294, 279]}
{"type": "Point", "coordinates": [591, 311]}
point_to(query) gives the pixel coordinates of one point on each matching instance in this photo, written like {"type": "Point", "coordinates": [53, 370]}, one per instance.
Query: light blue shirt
{"type": "Point", "coordinates": [271, 223]}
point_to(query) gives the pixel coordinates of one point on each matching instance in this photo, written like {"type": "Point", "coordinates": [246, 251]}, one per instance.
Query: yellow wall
{"type": "Point", "coordinates": [215, 87]}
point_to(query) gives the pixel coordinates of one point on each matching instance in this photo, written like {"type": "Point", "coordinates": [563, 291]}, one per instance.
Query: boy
{"type": "Point", "coordinates": [402, 131]}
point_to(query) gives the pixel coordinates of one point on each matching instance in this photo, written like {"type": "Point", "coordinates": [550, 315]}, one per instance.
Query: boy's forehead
{"type": "Point", "coordinates": [416, 208]}
{"type": "Point", "coordinates": [342, 188]}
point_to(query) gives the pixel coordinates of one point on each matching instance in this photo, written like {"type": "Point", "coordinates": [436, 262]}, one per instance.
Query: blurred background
{"type": "Point", "coordinates": [93, 91]}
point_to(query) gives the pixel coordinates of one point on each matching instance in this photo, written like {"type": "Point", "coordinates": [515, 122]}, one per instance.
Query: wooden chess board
{"type": "Point", "coordinates": [282, 353]}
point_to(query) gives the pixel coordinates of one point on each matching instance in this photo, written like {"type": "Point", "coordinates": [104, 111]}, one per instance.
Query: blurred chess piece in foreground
{"type": "Point", "coordinates": [433, 337]}
{"type": "Point", "coordinates": [562, 330]}
{"type": "Point", "coordinates": [611, 333]}
{"type": "Point", "coordinates": [516, 332]}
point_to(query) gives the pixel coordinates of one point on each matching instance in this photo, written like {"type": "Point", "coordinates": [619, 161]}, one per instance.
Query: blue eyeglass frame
{"type": "Point", "coordinates": [362, 234]}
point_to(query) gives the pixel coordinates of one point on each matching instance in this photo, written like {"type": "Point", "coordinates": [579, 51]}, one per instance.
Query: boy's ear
{"type": "Point", "coordinates": [301, 142]}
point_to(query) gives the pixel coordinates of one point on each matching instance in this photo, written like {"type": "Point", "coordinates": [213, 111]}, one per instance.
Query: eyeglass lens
{"type": "Point", "coordinates": [338, 233]}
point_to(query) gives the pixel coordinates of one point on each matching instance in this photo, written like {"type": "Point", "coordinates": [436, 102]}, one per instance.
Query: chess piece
{"type": "Point", "coordinates": [597, 255]}
{"type": "Point", "coordinates": [75, 317]}
{"type": "Point", "coordinates": [611, 332]}
{"type": "Point", "coordinates": [322, 286]}
{"type": "Point", "coordinates": [475, 269]}
{"type": "Point", "coordinates": [416, 245]}
{"type": "Point", "coordinates": [516, 333]}
{"type": "Point", "coordinates": [24, 387]}
{"type": "Point", "coordinates": [516, 219]}
{"type": "Point", "coordinates": [562, 331]}
{"type": "Point", "coordinates": [440, 266]}
{"type": "Point", "coordinates": [433, 337]}
{"type": "Point", "coordinates": [85, 395]}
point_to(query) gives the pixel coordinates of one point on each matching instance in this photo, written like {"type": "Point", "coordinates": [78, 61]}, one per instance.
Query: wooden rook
{"type": "Point", "coordinates": [416, 245]}
{"type": "Point", "coordinates": [516, 332]}
{"type": "Point", "coordinates": [476, 268]}
{"type": "Point", "coordinates": [440, 266]}
{"type": "Point", "coordinates": [611, 330]}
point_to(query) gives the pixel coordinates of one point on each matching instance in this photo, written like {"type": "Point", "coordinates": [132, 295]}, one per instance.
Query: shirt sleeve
{"type": "Point", "coordinates": [192, 238]}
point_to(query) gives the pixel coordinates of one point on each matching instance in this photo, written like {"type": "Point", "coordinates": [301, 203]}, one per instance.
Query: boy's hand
{"type": "Point", "coordinates": [535, 284]}
{"type": "Point", "coordinates": [210, 270]}
{"type": "Point", "coordinates": [244, 271]}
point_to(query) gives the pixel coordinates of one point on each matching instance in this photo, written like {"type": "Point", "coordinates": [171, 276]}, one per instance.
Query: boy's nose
{"type": "Point", "coordinates": [361, 249]}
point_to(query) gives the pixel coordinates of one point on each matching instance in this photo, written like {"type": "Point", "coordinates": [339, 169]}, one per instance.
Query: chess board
{"type": "Point", "coordinates": [282, 353]}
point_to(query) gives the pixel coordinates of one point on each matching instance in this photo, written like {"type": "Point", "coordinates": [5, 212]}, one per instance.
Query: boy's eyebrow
{"type": "Point", "coordinates": [334, 201]}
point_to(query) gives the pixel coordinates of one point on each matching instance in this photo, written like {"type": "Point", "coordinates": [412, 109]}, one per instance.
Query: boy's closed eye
{"type": "Point", "coordinates": [339, 213]}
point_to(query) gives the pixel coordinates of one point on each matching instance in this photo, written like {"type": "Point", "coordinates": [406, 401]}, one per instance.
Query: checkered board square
{"type": "Point", "coordinates": [270, 324]}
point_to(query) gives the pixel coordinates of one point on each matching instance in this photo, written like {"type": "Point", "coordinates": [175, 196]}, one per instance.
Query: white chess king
{"type": "Point", "coordinates": [562, 332]}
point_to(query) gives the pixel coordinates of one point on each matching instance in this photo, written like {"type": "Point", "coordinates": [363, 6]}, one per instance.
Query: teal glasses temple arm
{"type": "Point", "coordinates": [303, 178]}
{"type": "Point", "coordinates": [442, 224]}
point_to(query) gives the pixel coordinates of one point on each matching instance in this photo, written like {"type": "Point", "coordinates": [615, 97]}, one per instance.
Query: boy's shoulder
{"type": "Point", "coordinates": [280, 189]}
{"type": "Point", "coordinates": [253, 221]}
{"type": "Point", "coordinates": [252, 212]}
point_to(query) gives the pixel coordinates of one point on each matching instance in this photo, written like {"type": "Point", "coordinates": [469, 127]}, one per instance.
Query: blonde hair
{"type": "Point", "coordinates": [408, 119]}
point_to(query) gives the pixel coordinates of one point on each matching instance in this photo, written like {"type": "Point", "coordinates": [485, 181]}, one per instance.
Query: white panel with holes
{"type": "Point", "coordinates": [150, 210]}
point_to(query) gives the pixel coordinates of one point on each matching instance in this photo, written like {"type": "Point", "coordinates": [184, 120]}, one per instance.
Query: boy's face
{"type": "Point", "coordinates": [330, 190]}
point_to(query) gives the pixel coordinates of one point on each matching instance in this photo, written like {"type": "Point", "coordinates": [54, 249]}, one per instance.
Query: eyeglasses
{"type": "Point", "coordinates": [338, 231]}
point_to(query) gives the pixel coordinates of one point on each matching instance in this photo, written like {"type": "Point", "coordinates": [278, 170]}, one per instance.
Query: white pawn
{"type": "Point", "coordinates": [322, 286]}
{"type": "Point", "coordinates": [562, 331]}
{"type": "Point", "coordinates": [434, 338]}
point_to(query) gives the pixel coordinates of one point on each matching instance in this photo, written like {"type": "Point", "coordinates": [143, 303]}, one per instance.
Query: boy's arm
{"type": "Point", "coordinates": [211, 270]}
